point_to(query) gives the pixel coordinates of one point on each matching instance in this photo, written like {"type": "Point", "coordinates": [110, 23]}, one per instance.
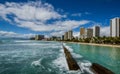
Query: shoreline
{"type": "Point", "coordinates": [94, 44]}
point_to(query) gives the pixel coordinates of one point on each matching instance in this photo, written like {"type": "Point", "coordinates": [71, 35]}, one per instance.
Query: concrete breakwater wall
{"type": "Point", "coordinates": [98, 69]}
{"type": "Point", "coordinates": [72, 64]}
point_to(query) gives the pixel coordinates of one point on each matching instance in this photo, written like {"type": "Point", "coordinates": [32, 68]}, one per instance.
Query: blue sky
{"type": "Point", "coordinates": [25, 18]}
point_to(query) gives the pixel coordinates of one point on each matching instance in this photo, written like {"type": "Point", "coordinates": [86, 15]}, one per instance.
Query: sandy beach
{"type": "Point", "coordinates": [107, 45]}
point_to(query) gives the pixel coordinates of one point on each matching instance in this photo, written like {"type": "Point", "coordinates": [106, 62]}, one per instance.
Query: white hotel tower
{"type": "Point", "coordinates": [115, 27]}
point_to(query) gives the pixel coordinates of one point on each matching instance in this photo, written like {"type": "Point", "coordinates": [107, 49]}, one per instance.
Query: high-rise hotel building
{"type": "Point", "coordinates": [82, 33]}
{"type": "Point", "coordinates": [39, 37]}
{"type": "Point", "coordinates": [96, 31]}
{"type": "Point", "coordinates": [115, 27]}
{"type": "Point", "coordinates": [68, 35]}
{"type": "Point", "coordinates": [89, 33]}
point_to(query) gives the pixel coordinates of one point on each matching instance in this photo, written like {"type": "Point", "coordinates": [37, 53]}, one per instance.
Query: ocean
{"type": "Point", "coordinates": [47, 57]}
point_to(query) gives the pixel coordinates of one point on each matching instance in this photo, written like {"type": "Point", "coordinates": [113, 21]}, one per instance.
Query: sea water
{"type": "Point", "coordinates": [47, 57]}
{"type": "Point", "coordinates": [108, 57]}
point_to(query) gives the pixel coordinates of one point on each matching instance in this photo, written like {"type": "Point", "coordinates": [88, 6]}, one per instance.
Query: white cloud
{"type": "Point", "coordinates": [105, 31]}
{"type": "Point", "coordinates": [13, 34]}
{"type": "Point", "coordinates": [61, 27]}
{"type": "Point", "coordinates": [29, 11]}
{"type": "Point", "coordinates": [87, 13]}
{"type": "Point", "coordinates": [55, 26]}
{"type": "Point", "coordinates": [76, 34]}
{"type": "Point", "coordinates": [80, 14]}
{"type": "Point", "coordinates": [5, 33]}
{"type": "Point", "coordinates": [57, 33]}
{"type": "Point", "coordinates": [69, 24]}
{"type": "Point", "coordinates": [76, 14]}
{"type": "Point", "coordinates": [35, 16]}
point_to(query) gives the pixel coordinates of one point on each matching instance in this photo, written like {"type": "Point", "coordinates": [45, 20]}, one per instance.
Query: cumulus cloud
{"type": "Point", "coordinates": [61, 27]}
{"type": "Point", "coordinates": [13, 34]}
{"type": "Point", "coordinates": [105, 31]}
{"type": "Point", "coordinates": [57, 33]}
{"type": "Point", "coordinates": [55, 26]}
{"type": "Point", "coordinates": [29, 11]}
{"type": "Point", "coordinates": [76, 34]}
{"type": "Point", "coordinates": [80, 14]}
{"type": "Point", "coordinates": [35, 16]}
{"type": "Point", "coordinates": [87, 13]}
{"type": "Point", "coordinates": [38, 16]}
{"type": "Point", "coordinates": [69, 24]}
{"type": "Point", "coordinates": [77, 14]}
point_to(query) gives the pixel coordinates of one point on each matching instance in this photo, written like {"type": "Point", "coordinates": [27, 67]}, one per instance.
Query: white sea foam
{"type": "Point", "coordinates": [61, 61]}
{"type": "Point", "coordinates": [84, 65]}
{"type": "Point", "coordinates": [37, 63]}
{"type": "Point", "coordinates": [28, 44]}
{"type": "Point", "coordinates": [76, 55]}
{"type": "Point", "coordinates": [23, 41]}
{"type": "Point", "coordinates": [36, 44]}
{"type": "Point", "coordinates": [71, 50]}
{"type": "Point", "coordinates": [74, 72]}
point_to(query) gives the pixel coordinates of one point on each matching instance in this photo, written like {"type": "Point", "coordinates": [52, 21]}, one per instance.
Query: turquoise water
{"type": "Point", "coordinates": [43, 57]}
{"type": "Point", "coordinates": [34, 57]}
{"type": "Point", "coordinates": [108, 57]}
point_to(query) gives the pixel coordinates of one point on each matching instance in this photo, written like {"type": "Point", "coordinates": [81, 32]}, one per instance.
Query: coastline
{"type": "Point", "coordinates": [94, 44]}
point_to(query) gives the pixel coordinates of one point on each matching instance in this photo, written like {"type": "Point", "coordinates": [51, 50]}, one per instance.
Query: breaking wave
{"type": "Point", "coordinates": [84, 64]}
{"type": "Point", "coordinates": [61, 61]}
{"type": "Point", "coordinates": [36, 63]}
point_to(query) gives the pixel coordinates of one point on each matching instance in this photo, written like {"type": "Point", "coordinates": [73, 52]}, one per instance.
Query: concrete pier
{"type": "Point", "coordinates": [98, 69]}
{"type": "Point", "coordinates": [72, 64]}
